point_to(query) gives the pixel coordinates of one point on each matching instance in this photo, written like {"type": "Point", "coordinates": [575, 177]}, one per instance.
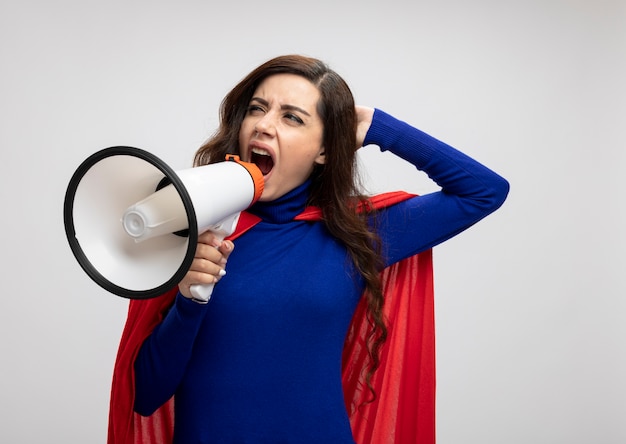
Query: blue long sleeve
{"type": "Point", "coordinates": [469, 190]}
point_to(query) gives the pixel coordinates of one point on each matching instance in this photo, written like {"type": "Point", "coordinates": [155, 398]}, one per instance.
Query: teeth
{"type": "Point", "coordinates": [260, 151]}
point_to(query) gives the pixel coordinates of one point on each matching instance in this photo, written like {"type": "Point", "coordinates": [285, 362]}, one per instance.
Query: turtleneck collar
{"type": "Point", "coordinates": [285, 208]}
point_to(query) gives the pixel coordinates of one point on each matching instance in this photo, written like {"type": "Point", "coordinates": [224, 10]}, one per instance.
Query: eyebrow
{"type": "Point", "coordinates": [283, 107]}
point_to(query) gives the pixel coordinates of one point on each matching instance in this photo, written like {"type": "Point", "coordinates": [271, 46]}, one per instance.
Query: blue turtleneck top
{"type": "Point", "coordinates": [261, 362]}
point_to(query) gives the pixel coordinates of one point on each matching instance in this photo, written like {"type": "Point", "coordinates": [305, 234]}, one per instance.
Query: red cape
{"type": "Point", "coordinates": [404, 410]}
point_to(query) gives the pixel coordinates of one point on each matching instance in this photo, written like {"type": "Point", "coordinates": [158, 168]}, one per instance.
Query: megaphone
{"type": "Point", "coordinates": [133, 223]}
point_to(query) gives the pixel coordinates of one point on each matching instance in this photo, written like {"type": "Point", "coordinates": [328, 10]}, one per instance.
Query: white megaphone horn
{"type": "Point", "coordinates": [133, 223]}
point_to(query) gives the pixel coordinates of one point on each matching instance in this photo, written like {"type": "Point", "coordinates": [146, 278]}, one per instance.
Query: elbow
{"type": "Point", "coordinates": [499, 192]}
{"type": "Point", "coordinates": [143, 410]}
{"type": "Point", "coordinates": [146, 400]}
{"type": "Point", "coordinates": [492, 196]}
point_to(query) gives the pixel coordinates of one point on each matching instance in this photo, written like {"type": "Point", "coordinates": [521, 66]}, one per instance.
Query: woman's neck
{"type": "Point", "coordinates": [285, 208]}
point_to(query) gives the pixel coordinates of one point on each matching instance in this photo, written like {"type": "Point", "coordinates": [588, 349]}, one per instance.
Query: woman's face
{"type": "Point", "coordinates": [282, 133]}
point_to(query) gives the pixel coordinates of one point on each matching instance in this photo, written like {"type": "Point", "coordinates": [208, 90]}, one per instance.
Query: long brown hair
{"type": "Point", "coordinates": [335, 187]}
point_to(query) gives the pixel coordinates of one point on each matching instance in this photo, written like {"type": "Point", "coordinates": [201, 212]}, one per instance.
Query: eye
{"type": "Point", "coordinates": [255, 109]}
{"type": "Point", "coordinates": [294, 118]}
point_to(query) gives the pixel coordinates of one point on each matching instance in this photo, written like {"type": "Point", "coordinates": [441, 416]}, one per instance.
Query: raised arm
{"type": "Point", "coordinates": [469, 190]}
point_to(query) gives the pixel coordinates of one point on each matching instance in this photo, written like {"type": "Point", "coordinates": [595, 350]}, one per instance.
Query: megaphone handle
{"type": "Point", "coordinates": [201, 293]}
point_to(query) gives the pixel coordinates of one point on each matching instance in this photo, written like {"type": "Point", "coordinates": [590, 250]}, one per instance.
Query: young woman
{"type": "Point", "coordinates": [261, 362]}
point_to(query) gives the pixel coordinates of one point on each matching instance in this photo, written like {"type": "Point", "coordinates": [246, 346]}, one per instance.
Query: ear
{"type": "Point", "coordinates": [321, 157]}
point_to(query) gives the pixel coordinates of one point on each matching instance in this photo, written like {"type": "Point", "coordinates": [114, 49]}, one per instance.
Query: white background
{"type": "Point", "coordinates": [531, 314]}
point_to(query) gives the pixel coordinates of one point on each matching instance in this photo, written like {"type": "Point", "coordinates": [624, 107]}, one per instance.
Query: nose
{"type": "Point", "coordinates": [265, 125]}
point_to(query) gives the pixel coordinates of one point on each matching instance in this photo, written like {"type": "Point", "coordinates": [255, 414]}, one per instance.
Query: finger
{"type": "Point", "coordinates": [205, 266]}
{"type": "Point", "coordinates": [210, 253]}
{"type": "Point", "coordinates": [195, 278]}
{"type": "Point", "coordinates": [209, 238]}
{"type": "Point", "coordinates": [226, 248]}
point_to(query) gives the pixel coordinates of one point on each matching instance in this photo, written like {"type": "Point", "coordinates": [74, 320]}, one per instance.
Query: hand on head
{"type": "Point", "coordinates": [364, 117]}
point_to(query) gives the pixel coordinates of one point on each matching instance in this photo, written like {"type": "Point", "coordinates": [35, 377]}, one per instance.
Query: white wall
{"type": "Point", "coordinates": [530, 302]}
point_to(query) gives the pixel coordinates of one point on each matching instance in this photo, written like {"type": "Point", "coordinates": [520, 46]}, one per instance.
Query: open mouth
{"type": "Point", "coordinates": [262, 159]}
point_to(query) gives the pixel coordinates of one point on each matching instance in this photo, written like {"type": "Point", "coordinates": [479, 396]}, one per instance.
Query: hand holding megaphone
{"type": "Point", "coordinates": [137, 238]}
{"type": "Point", "coordinates": [209, 266]}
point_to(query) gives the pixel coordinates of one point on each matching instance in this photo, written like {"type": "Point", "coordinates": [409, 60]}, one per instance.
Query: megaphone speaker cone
{"type": "Point", "coordinates": [103, 187]}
